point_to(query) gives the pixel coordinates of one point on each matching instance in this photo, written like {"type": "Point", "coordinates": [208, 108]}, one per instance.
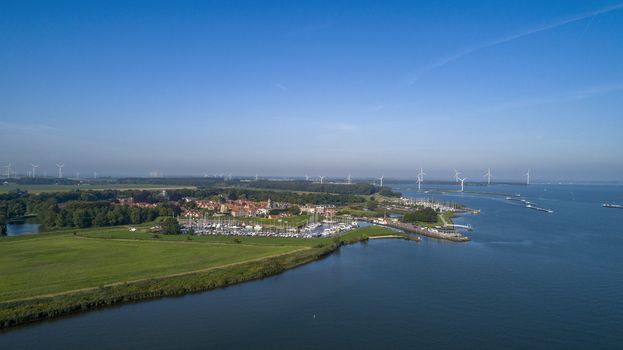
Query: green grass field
{"type": "Point", "coordinates": [58, 263]}
{"type": "Point", "coordinates": [37, 265]}
{"type": "Point", "coordinates": [85, 187]}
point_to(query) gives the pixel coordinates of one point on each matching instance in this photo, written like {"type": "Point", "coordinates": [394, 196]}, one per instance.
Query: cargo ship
{"type": "Point", "coordinates": [616, 206]}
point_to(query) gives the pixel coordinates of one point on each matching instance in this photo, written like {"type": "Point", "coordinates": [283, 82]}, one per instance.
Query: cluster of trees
{"type": "Point", "coordinates": [96, 214]}
{"type": "Point", "coordinates": [292, 197]}
{"type": "Point", "coordinates": [293, 210]}
{"type": "Point", "coordinates": [422, 215]}
{"type": "Point", "coordinates": [169, 226]}
{"type": "Point", "coordinates": [82, 208]}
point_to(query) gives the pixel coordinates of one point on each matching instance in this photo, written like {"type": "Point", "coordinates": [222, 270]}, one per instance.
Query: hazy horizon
{"type": "Point", "coordinates": [317, 88]}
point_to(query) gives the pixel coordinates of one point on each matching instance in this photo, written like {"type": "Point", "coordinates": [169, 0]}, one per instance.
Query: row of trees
{"type": "Point", "coordinates": [292, 197]}
{"type": "Point", "coordinates": [307, 186]}
{"type": "Point", "coordinates": [298, 185]}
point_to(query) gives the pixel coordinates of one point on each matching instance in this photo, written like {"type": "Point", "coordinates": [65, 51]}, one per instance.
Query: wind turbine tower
{"type": "Point", "coordinates": [488, 176]}
{"type": "Point", "coordinates": [421, 174]}
{"type": "Point", "coordinates": [527, 175]}
{"type": "Point", "coordinates": [33, 169]}
{"type": "Point", "coordinates": [419, 182]}
{"type": "Point", "coordinates": [60, 170]}
{"type": "Point", "coordinates": [306, 177]}
{"type": "Point", "coordinates": [256, 177]}
{"type": "Point", "coordinates": [321, 178]}
{"type": "Point", "coordinates": [349, 180]}
{"type": "Point", "coordinates": [462, 182]}
{"type": "Point", "coordinates": [8, 170]}
{"type": "Point", "coordinates": [381, 178]}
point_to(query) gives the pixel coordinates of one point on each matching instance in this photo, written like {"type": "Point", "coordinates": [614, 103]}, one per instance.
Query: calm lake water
{"type": "Point", "coordinates": [22, 229]}
{"type": "Point", "coordinates": [527, 279]}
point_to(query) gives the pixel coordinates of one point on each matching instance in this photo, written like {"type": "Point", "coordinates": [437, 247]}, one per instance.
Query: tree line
{"type": "Point", "coordinates": [87, 208]}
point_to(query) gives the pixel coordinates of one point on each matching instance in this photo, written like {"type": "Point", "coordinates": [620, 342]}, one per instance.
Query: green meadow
{"type": "Point", "coordinates": [59, 263]}
{"type": "Point", "coordinates": [52, 274]}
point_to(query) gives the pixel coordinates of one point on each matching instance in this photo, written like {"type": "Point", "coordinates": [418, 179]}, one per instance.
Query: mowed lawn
{"type": "Point", "coordinates": [48, 264]}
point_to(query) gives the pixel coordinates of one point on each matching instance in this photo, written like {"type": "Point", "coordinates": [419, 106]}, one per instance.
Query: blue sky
{"type": "Point", "coordinates": [317, 87]}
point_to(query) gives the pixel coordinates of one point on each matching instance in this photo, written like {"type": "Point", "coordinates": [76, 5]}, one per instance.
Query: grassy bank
{"type": "Point", "coordinates": [60, 273]}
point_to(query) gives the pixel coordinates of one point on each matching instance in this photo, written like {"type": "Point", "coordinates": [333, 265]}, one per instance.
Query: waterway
{"type": "Point", "coordinates": [527, 279]}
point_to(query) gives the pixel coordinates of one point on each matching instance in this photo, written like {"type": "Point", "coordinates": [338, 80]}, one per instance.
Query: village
{"type": "Point", "coordinates": [263, 218]}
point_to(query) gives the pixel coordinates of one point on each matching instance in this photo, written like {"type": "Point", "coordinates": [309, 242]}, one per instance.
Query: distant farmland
{"type": "Point", "coordinates": [87, 187]}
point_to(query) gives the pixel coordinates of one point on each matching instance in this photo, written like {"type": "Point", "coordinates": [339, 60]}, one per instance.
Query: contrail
{"type": "Point", "coordinates": [442, 62]}
{"type": "Point", "coordinates": [282, 87]}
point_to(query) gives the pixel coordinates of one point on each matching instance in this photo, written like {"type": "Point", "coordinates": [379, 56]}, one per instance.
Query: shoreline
{"type": "Point", "coordinates": [20, 312]}
{"type": "Point", "coordinates": [24, 311]}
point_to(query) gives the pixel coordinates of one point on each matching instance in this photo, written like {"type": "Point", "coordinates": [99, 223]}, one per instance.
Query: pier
{"type": "Point", "coordinates": [453, 226]}
{"type": "Point", "coordinates": [431, 232]}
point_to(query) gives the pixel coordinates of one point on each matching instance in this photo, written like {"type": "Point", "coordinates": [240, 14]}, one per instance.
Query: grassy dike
{"type": "Point", "coordinates": [34, 258]}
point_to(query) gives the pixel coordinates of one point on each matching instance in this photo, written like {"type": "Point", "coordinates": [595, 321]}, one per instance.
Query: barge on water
{"type": "Point", "coordinates": [609, 205]}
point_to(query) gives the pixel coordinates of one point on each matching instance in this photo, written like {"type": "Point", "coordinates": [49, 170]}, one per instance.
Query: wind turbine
{"type": "Point", "coordinates": [306, 177]}
{"type": "Point", "coordinates": [381, 178]}
{"type": "Point", "coordinates": [60, 170]}
{"type": "Point", "coordinates": [421, 174]}
{"type": "Point", "coordinates": [462, 181]}
{"type": "Point", "coordinates": [488, 176]}
{"type": "Point", "coordinates": [456, 175]}
{"type": "Point", "coordinates": [349, 181]}
{"type": "Point", "coordinates": [527, 175]}
{"type": "Point", "coordinates": [321, 178]}
{"type": "Point", "coordinates": [256, 177]}
{"type": "Point", "coordinates": [8, 170]}
{"type": "Point", "coordinates": [33, 169]}
{"type": "Point", "coordinates": [419, 181]}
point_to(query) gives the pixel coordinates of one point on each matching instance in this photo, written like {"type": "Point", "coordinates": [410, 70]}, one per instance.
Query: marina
{"type": "Point", "coordinates": [232, 227]}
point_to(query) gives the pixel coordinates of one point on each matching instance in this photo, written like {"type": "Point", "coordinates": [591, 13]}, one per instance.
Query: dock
{"type": "Point", "coordinates": [431, 232]}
